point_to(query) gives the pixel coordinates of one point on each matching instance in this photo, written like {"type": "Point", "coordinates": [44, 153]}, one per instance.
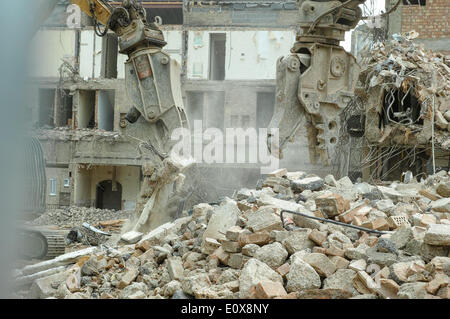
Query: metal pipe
{"type": "Point", "coordinates": [330, 221]}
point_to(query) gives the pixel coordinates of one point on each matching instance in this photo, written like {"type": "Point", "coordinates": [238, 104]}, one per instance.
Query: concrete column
{"type": "Point", "coordinates": [82, 187]}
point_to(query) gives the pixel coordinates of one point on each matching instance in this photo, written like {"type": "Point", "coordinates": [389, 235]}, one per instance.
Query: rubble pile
{"type": "Point", "coordinates": [240, 249]}
{"type": "Point", "coordinates": [76, 216]}
{"type": "Point", "coordinates": [401, 62]}
{"type": "Point", "coordinates": [405, 66]}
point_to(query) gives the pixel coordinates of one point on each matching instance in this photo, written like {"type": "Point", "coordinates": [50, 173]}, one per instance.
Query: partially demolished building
{"type": "Point", "coordinates": [228, 54]}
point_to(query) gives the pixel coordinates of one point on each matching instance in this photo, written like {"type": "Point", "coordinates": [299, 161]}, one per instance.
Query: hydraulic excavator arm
{"type": "Point", "coordinates": [152, 80]}
{"type": "Point", "coordinates": [317, 80]}
{"type": "Point", "coordinates": [152, 77]}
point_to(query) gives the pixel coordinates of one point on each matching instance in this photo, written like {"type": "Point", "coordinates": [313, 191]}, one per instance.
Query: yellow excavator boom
{"type": "Point", "coordinates": [101, 9]}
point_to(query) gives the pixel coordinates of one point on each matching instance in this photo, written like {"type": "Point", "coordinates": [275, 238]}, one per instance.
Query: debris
{"type": "Point", "coordinates": [226, 252]}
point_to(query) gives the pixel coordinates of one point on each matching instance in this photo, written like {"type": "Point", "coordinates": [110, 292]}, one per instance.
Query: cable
{"type": "Point", "coordinates": [330, 221]}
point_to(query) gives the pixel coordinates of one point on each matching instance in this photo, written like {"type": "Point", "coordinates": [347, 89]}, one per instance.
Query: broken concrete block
{"type": "Point", "coordinates": [330, 180]}
{"type": "Point", "coordinates": [334, 251]}
{"type": "Point", "coordinates": [415, 290]}
{"type": "Point", "coordinates": [341, 279]}
{"type": "Point", "coordinates": [274, 255]}
{"type": "Point", "coordinates": [233, 233]}
{"type": "Point", "coordinates": [278, 173]}
{"type": "Point", "coordinates": [237, 261]}
{"type": "Point", "coordinates": [332, 204]}
{"type": "Point", "coordinates": [427, 220]}
{"type": "Point", "coordinates": [292, 176]}
{"type": "Point", "coordinates": [260, 238]}
{"type": "Point", "coordinates": [358, 265]}
{"type": "Point", "coordinates": [279, 235]}
{"type": "Point", "coordinates": [360, 210]}
{"type": "Point", "coordinates": [438, 235]}
{"type": "Point", "coordinates": [128, 277]}
{"type": "Point", "coordinates": [253, 273]}
{"type": "Point", "coordinates": [402, 236]}
{"type": "Point", "coordinates": [400, 271]}
{"type": "Point", "coordinates": [231, 246]}
{"type": "Point", "coordinates": [302, 276]}
{"type": "Point", "coordinates": [250, 250]}
{"type": "Point", "coordinates": [318, 236]}
{"type": "Point", "coordinates": [339, 262]}
{"type": "Point", "coordinates": [441, 205]}
{"type": "Point", "coordinates": [210, 245]}
{"type": "Point", "coordinates": [201, 210]}
{"type": "Point", "coordinates": [321, 264]}
{"type": "Point", "coordinates": [389, 193]}
{"type": "Point", "coordinates": [73, 280]}
{"type": "Point", "coordinates": [264, 219]}
{"type": "Point", "coordinates": [221, 255]}
{"type": "Point", "coordinates": [345, 182]}
{"type": "Point", "coordinates": [377, 224]}
{"type": "Point", "coordinates": [175, 268]}
{"type": "Point", "coordinates": [283, 270]}
{"type": "Point", "coordinates": [368, 282]}
{"type": "Point", "coordinates": [440, 280]}
{"type": "Point", "coordinates": [269, 290]}
{"type": "Point", "coordinates": [357, 253]}
{"type": "Point", "coordinates": [297, 241]}
{"type": "Point", "coordinates": [195, 283]}
{"type": "Point", "coordinates": [224, 217]}
{"type": "Point", "coordinates": [309, 183]}
{"type": "Point", "coordinates": [132, 237]}
{"type": "Point", "coordinates": [388, 289]}
{"type": "Point", "coordinates": [443, 189]}
{"type": "Point", "coordinates": [134, 291]}
{"type": "Point", "coordinates": [44, 287]}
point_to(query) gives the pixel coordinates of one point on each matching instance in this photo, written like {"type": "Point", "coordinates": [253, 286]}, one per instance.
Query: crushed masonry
{"type": "Point", "coordinates": [236, 250]}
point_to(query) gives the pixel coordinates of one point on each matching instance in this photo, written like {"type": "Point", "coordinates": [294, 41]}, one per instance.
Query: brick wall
{"type": "Point", "coordinates": [430, 21]}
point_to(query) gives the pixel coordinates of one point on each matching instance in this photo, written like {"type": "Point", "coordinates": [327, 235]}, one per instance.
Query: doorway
{"type": "Point", "coordinates": [108, 196]}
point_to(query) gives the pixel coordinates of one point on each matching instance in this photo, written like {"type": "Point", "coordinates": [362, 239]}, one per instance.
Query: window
{"type": "Point", "coordinates": [217, 57]}
{"type": "Point", "coordinates": [66, 182]}
{"type": "Point", "coordinates": [265, 104]}
{"type": "Point", "coordinates": [414, 2]}
{"type": "Point", "coordinates": [52, 187]}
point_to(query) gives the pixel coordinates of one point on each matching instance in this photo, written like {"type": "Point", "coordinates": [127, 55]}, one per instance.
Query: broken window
{"type": "Point", "coordinates": [46, 107]}
{"type": "Point", "coordinates": [52, 187]}
{"type": "Point", "coordinates": [415, 2]}
{"type": "Point", "coordinates": [265, 103]}
{"type": "Point", "coordinates": [86, 109]}
{"type": "Point", "coordinates": [110, 49]}
{"type": "Point", "coordinates": [215, 109]}
{"type": "Point", "coordinates": [217, 56]}
{"type": "Point", "coordinates": [106, 110]}
{"type": "Point", "coordinates": [194, 107]}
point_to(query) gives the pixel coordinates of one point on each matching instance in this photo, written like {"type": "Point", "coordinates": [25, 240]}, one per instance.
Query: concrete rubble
{"type": "Point", "coordinates": [239, 248]}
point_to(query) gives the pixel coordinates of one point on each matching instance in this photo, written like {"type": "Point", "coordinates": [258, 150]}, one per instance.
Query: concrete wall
{"type": "Point", "coordinates": [430, 21]}
{"type": "Point", "coordinates": [87, 179]}
{"type": "Point", "coordinates": [250, 55]}
{"type": "Point", "coordinates": [47, 49]}
{"type": "Point", "coordinates": [59, 174]}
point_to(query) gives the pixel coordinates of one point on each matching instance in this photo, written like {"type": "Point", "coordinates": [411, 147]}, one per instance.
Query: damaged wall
{"type": "Point", "coordinates": [87, 179]}
{"type": "Point", "coordinates": [249, 55]}
{"type": "Point", "coordinates": [430, 20]}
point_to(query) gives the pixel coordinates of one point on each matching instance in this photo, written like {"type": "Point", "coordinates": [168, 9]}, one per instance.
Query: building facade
{"type": "Point", "coordinates": [77, 101]}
